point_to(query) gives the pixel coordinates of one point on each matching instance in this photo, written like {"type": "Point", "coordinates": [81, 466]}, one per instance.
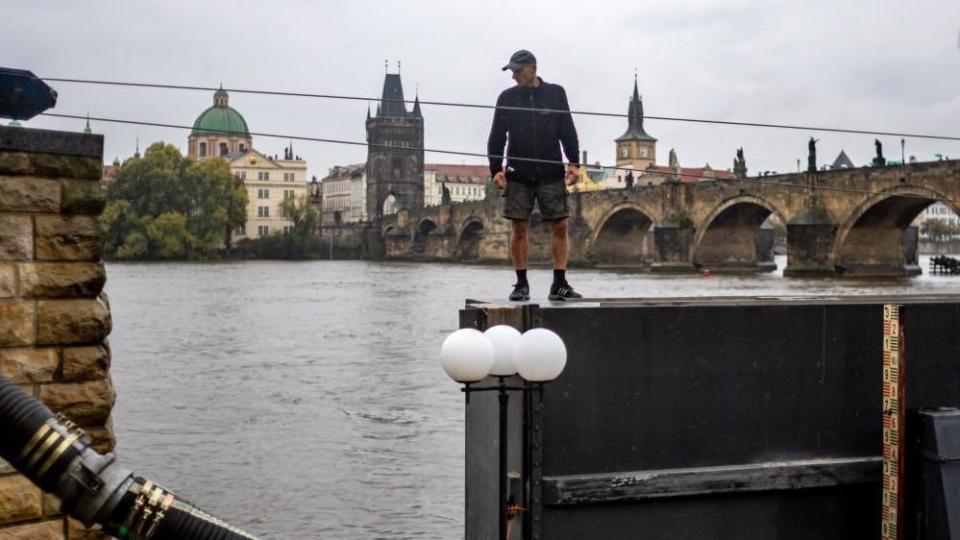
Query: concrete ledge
{"type": "Point", "coordinates": [44, 141]}
{"type": "Point", "coordinates": [673, 267]}
{"type": "Point", "coordinates": [880, 270]}
{"type": "Point", "coordinates": [769, 476]}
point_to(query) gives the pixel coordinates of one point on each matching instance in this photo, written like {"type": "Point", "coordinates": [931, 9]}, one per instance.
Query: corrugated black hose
{"type": "Point", "coordinates": [55, 455]}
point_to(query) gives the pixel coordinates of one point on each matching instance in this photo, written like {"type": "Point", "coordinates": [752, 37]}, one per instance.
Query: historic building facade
{"type": "Point", "coordinates": [394, 153]}
{"type": "Point", "coordinates": [221, 132]}
{"type": "Point", "coordinates": [345, 194]}
{"type": "Point", "coordinates": [463, 182]}
{"type": "Point", "coordinates": [269, 182]}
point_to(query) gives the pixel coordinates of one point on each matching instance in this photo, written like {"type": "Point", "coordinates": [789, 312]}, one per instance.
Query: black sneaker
{"type": "Point", "coordinates": [562, 292]}
{"type": "Point", "coordinates": [521, 291]}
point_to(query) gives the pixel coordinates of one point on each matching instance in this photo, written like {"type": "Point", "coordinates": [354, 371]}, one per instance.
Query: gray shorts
{"type": "Point", "coordinates": [551, 197]}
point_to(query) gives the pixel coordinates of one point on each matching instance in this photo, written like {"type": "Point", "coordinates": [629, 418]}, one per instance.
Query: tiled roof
{"type": "Point", "coordinates": [341, 172]}
{"type": "Point", "coordinates": [465, 174]}
{"type": "Point", "coordinates": [691, 175]}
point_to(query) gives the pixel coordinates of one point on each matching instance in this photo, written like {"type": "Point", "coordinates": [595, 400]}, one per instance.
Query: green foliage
{"type": "Point", "coordinates": [297, 242]}
{"type": "Point", "coordinates": [166, 206]}
{"type": "Point", "coordinates": [937, 229]}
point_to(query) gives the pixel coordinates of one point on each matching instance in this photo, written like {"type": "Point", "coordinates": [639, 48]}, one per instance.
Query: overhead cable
{"type": "Point", "coordinates": [479, 106]}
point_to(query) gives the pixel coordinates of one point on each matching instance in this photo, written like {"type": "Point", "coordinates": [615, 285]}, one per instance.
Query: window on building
{"type": "Point", "coordinates": [263, 211]}
{"type": "Point", "coordinates": [288, 177]}
{"type": "Point", "coordinates": [202, 151]}
{"type": "Point", "coordinates": [263, 175]}
{"type": "Point", "coordinates": [240, 230]}
{"type": "Point", "coordinates": [624, 151]}
{"type": "Point", "coordinates": [223, 149]}
{"type": "Point", "coordinates": [263, 230]}
{"type": "Point", "coordinates": [263, 193]}
{"type": "Point", "coordinates": [644, 152]}
{"type": "Point", "coordinates": [242, 175]}
{"type": "Point", "coordinates": [243, 148]}
{"type": "Point", "coordinates": [288, 194]}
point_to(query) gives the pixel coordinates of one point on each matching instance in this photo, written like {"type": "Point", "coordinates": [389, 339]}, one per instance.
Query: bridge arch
{"type": "Point", "coordinates": [420, 233]}
{"type": "Point", "coordinates": [872, 239]}
{"type": "Point", "coordinates": [468, 239]}
{"type": "Point", "coordinates": [731, 236]}
{"type": "Point", "coordinates": [621, 236]}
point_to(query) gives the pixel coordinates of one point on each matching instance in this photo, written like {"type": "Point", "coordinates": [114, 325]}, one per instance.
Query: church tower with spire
{"type": "Point", "coordinates": [635, 148]}
{"type": "Point", "coordinates": [394, 152]}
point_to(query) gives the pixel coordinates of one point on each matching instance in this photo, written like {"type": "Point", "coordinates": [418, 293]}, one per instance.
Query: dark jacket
{"type": "Point", "coordinates": [533, 134]}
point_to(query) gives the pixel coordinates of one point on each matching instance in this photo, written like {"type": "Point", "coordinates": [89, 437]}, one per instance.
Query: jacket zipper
{"type": "Point", "coordinates": [536, 146]}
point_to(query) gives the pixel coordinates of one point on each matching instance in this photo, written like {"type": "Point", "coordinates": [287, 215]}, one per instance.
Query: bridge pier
{"type": "Point", "coordinates": [673, 241]}
{"type": "Point", "coordinates": [809, 246]}
{"type": "Point", "coordinates": [880, 252]}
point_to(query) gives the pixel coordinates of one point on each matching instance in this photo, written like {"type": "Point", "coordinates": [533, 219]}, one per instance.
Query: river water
{"type": "Point", "coordinates": [305, 399]}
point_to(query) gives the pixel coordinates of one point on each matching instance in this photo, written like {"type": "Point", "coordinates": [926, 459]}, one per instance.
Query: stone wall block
{"type": "Point", "coordinates": [55, 166]}
{"type": "Point", "coordinates": [72, 322]}
{"type": "Point", "coordinates": [67, 237]}
{"type": "Point", "coordinates": [16, 238]}
{"type": "Point", "coordinates": [20, 500]}
{"type": "Point", "coordinates": [17, 323]}
{"type": "Point", "coordinates": [48, 530]}
{"type": "Point", "coordinates": [82, 197]}
{"type": "Point", "coordinates": [102, 439]}
{"type": "Point", "coordinates": [85, 363]}
{"type": "Point", "coordinates": [27, 194]}
{"type": "Point", "coordinates": [8, 281]}
{"type": "Point", "coordinates": [14, 163]}
{"type": "Point", "coordinates": [61, 280]}
{"type": "Point", "coordinates": [76, 531]}
{"type": "Point", "coordinates": [30, 365]}
{"type": "Point", "coordinates": [86, 403]}
{"type": "Point", "coordinates": [51, 505]}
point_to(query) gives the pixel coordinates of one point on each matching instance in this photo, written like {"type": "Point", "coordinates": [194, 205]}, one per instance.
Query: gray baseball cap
{"type": "Point", "coordinates": [520, 59]}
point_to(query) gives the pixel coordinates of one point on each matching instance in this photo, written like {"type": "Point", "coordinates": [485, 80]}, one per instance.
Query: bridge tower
{"type": "Point", "coordinates": [635, 148]}
{"type": "Point", "coordinates": [394, 153]}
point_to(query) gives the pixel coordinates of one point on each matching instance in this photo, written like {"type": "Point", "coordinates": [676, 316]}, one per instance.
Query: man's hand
{"type": "Point", "coordinates": [573, 174]}
{"type": "Point", "coordinates": [500, 180]}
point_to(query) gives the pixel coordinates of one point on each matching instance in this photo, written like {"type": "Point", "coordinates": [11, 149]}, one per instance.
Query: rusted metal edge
{"type": "Point", "coordinates": [656, 484]}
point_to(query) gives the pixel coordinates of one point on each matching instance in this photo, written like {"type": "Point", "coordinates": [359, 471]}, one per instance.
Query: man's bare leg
{"type": "Point", "coordinates": [560, 247]}
{"type": "Point", "coordinates": [519, 245]}
{"type": "Point", "coordinates": [559, 244]}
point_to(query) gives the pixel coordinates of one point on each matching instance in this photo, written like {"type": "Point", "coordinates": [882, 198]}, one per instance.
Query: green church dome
{"type": "Point", "coordinates": [221, 119]}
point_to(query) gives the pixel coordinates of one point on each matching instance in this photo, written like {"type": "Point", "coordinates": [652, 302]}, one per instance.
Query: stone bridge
{"type": "Point", "coordinates": [847, 221]}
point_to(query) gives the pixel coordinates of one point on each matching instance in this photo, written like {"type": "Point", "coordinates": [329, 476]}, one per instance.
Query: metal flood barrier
{"type": "Point", "coordinates": [736, 418]}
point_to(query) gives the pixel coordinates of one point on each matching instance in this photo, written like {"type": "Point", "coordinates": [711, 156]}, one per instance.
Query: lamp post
{"type": "Point", "coordinates": [469, 356]}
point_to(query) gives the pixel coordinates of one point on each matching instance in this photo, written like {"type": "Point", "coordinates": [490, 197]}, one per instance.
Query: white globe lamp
{"type": "Point", "coordinates": [540, 355]}
{"type": "Point", "coordinates": [504, 339]}
{"type": "Point", "coordinates": [466, 355]}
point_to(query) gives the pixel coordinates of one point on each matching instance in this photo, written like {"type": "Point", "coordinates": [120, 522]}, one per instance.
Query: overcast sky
{"type": "Point", "coordinates": [873, 64]}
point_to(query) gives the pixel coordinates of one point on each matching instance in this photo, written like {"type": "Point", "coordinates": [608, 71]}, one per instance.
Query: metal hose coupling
{"type": "Point", "coordinates": [59, 459]}
{"type": "Point", "coordinates": [55, 454]}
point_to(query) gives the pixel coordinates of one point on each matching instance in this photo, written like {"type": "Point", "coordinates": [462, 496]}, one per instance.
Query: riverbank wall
{"type": "Point", "coordinates": [54, 316]}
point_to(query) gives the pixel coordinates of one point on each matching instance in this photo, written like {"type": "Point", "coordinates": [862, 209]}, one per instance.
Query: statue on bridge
{"type": "Point", "coordinates": [445, 198]}
{"type": "Point", "coordinates": [740, 164]}
{"type": "Point", "coordinates": [879, 161]}
{"type": "Point", "coordinates": [629, 179]}
{"type": "Point", "coordinates": [812, 155]}
{"type": "Point", "coordinates": [674, 165]}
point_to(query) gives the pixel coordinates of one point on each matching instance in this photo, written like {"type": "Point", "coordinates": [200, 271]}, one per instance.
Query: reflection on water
{"type": "Point", "coordinates": [304, 400]}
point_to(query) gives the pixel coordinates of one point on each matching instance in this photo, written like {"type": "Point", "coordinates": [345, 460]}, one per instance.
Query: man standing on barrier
{"type": "Point", "coordinates": [534, 168]}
